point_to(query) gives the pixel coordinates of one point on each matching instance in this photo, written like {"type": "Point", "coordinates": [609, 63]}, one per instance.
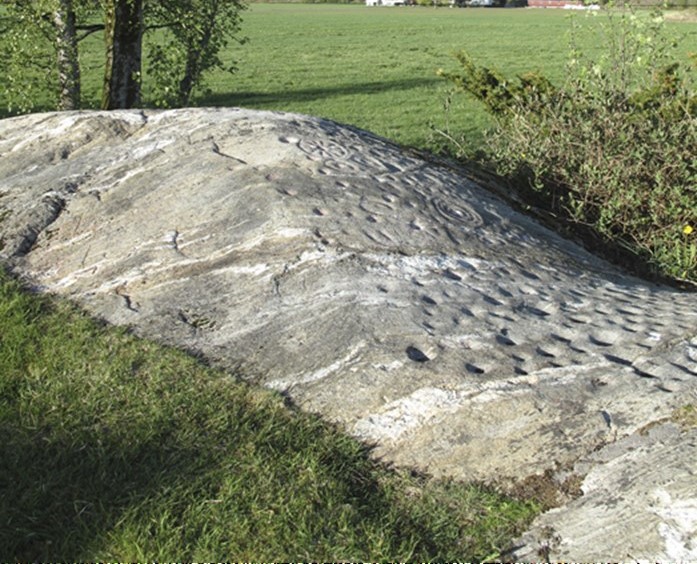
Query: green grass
{"type": "Point", "coordinates": [376, 67]}
{"type": "Point", "coordinates": [115, 448]}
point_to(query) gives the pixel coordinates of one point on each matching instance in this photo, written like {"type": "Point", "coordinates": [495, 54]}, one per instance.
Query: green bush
{"type": "Point", "coordinates": [614, 148]}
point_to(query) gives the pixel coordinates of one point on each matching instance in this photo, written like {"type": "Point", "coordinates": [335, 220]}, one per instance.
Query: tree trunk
{"type": "Point", "coordinates": [124, 38]}
{"type": "Point", "coordinates": [67, 56]}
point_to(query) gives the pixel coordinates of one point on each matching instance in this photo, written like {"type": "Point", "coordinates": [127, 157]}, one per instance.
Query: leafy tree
{"type": "Point", "coordinates": [612, 148]}
{"type": "Point", "coordinates": [41, 37]}
{"type": "Point", "coordinates": [196, 31]}
{"type": "Point", "coordinates": [68, 64]}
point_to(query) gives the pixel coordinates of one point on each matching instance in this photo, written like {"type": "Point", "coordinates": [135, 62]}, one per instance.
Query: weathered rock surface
{"type": "Point", "coordinates": [390, 295]}
{"type": "Point", "coordinates": [639, 503]}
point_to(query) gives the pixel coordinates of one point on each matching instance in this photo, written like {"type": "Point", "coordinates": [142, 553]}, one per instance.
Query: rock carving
{"type": "Point", "coordinates": [391, 295]}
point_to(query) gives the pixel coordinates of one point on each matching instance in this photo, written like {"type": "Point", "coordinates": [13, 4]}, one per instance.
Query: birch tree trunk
{"type": "Point", "coordinates": [124, 39]}
{"type": "Point", "coordinates": [68, 63]}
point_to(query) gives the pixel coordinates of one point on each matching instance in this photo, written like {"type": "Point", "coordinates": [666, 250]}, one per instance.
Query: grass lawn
{"type": "Point", "coordinates": [115, 448]}
{"type": "Point", "coordinates": [376, 67]}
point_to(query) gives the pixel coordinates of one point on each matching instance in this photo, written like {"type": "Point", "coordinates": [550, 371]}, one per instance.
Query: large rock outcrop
{"type": "Point", "coordinates": [392, 296]}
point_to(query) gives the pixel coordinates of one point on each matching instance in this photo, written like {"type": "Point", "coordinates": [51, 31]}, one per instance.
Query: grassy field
{"type": "Point", "coordinates": [114, 448]}
{"type": "Point", "coordinates": [376, 67]}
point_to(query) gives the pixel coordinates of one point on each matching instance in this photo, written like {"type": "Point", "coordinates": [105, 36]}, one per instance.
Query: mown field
{"type": "Point", "coordinates": [114, 448]}
{"type": "Point", "coordinates": [376, 67]}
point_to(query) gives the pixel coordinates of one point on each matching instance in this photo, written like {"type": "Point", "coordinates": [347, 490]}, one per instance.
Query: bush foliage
{"type": "Point", "coordinates": [614, 148]}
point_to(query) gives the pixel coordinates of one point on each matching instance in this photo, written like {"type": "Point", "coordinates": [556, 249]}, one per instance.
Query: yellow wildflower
{"type": "Point", "coordinates": [687, 229]}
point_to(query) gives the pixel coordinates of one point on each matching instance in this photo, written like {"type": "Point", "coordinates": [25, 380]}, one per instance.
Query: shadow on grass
{"type": "Point", "coordinates": [111, 447]}
{"type": "Point", "coordinates": [275, 98]}
{"type": "Point", "coordinates": [68, 501]}
{"type": "Point", "coordinates": [263, 99]}
{"type": "Point", "coordinates": [58, 496]}
{"type": "Point", "coordinates": [61, 499]}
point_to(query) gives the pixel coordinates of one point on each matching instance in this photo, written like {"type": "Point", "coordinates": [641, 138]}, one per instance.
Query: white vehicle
{"type": "Point", "coordinates": [385, 2]}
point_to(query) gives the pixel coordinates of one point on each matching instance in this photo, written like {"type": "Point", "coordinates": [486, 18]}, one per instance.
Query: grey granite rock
{"type": "Point", "coordinates": [639, 503]}
{"type": "Point", "coordinates": [392, 296]}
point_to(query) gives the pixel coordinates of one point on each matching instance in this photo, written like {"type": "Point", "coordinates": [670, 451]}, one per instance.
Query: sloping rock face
{"type": "Point", "coordinates": [392, 296]}
{"type": "Point", "coordinates": [639, 503]}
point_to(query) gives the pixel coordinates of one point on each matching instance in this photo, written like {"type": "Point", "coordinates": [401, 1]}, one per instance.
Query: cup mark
{"type": "Point", "coordinates": [416, 354]}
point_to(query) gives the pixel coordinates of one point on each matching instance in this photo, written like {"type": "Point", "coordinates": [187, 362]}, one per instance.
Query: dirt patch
{"type": "Point", "coordinates": [547, 489]}
{"type": "Point", "coordinates": [685, 417]}
{"type": "Point", "coordinates": [688, 15]}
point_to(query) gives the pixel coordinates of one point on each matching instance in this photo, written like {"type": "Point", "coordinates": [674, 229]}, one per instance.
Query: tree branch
{"type": "Point", "coordinates": [88, 30]}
